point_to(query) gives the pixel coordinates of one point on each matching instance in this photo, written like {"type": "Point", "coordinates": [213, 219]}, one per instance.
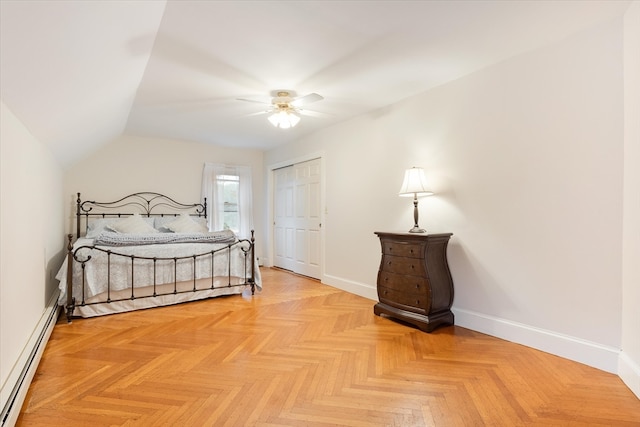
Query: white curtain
{"type": "Point", "coordinates": [215, 201]}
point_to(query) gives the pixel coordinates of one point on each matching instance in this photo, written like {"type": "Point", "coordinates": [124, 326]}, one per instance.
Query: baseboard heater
{"type": "Point", "coordinates": [37, 343]}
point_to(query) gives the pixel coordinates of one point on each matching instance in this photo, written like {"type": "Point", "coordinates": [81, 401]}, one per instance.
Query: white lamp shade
{"type": "Point", "coordinates": [415, 183]}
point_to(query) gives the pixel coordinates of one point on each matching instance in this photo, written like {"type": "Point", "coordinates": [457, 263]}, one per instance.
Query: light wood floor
{"type": "Point", "coordinates": [304, 354]}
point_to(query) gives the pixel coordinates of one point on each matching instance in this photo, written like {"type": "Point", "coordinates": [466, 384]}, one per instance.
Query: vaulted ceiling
{"type": "Point", "coordinates": [81, 73]}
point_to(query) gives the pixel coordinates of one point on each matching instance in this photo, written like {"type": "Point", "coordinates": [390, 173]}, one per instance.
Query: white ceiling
{"type": "Point", "coordinates": [80, 73]}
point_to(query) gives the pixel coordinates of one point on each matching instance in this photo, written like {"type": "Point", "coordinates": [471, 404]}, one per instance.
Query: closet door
{"type": "Point", "coordinates": [298, 218]}
{"type": "Point", "coordinates": [284, 219]}
{"type": "Point", "coordinates": [307, 218]}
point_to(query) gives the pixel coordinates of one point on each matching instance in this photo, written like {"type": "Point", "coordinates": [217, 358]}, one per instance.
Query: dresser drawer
{"type": "Point", "coordinates": [406, 301]}
{"type": "Point", "coordinates": [403, 282]}
{"type": "Point", "coordinates": [403, 249]}
{"type": "Point", "coordinates": [400, 265]}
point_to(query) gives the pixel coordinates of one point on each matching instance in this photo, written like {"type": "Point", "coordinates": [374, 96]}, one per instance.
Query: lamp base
{"type": "Point", "coordinates": [417, 229]}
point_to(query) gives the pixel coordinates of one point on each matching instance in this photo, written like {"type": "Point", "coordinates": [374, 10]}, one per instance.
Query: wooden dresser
{"type": "Point", "coordinates": [414, 281]}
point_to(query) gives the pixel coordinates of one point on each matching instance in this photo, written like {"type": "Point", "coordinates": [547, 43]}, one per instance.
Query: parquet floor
{"type": "Point", "coordinates": [304, 354]}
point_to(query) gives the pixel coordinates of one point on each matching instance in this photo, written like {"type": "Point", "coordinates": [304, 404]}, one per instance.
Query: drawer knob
{"type": "Point", "coordinates": [417, 285]}
{"type": "Point", "coordinates": [417, 302]}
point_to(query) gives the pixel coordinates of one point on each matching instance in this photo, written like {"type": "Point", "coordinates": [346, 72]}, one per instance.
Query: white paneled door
{"type": "Point", "coordinates": [297, 218]}
{"type": "Point", "coordinates": [284, 222]}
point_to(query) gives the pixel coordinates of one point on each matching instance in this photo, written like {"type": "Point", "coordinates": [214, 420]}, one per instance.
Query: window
{"type": "Point", "coordinates": [229, 198]}
{"type": "Point", "coordinates": [228, 186]}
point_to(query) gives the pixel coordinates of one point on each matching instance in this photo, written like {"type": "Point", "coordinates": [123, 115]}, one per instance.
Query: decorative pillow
{"type": "Point", "coordinates": [185, 224]}
{"type": "Point", "coordinates": [160, 223]}
{"type": "Point", "coordinates": [97, 226]}
{"type": "Point", "coordinates": [133, 224]}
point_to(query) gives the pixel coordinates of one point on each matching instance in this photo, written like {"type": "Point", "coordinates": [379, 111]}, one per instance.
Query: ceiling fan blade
{"type": "Point", "coordinates": [307, 99]}
{"type": "Point", "coordinates": [257, 101]}
{"type": "Point", "coordinates": [259, 113]}
{"type": "Point", "coordinates": [312, 113]}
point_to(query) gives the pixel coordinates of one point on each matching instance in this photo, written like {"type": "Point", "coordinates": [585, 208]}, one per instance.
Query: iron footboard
{"type": "Point", "coordinates": [81, 256]}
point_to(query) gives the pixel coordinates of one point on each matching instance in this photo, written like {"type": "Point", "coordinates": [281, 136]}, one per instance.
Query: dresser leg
{"type": "Point", "coordinates": [437, 320]}
{"type": "Point", "coordinates": [424, 323]}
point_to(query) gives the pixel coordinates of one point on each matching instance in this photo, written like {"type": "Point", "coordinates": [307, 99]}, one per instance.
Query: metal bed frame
{"type": "Point", "coordinates": [147, 204]}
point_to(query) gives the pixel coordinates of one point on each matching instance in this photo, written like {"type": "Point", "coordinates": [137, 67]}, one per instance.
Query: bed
{"type": "Point", "coordinates": [146, 250]}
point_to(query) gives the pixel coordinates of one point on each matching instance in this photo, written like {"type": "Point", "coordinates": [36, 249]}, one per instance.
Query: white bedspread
{"type": "Point", "coordinates": [120, 267]}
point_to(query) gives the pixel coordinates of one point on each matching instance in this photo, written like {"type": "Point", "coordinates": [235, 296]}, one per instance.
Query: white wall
{"type": "Point", "coordinates": [630, 359]}
{"type": "Point", "coordinates": [132, 164]}
{"type": "Point", "coordinates": [31, 238]}
{"type": "Point", "coordinates": [525, 158]}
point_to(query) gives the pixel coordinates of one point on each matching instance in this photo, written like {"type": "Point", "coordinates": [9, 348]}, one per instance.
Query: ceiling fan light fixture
{"type": "Point", "coordinates": [284, 119]}
{"type": "Point", "coordinates": [293, 119]}
{"type": "Point", "coordinates": [285, 107]}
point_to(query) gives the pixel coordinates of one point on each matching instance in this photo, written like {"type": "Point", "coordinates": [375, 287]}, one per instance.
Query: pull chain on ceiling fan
{"type": "Point", "coordinates": [286, 109]}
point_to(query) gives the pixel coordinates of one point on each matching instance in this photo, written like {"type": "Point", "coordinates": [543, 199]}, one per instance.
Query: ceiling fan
{"type": "Point", "coordinates": [286, 107]}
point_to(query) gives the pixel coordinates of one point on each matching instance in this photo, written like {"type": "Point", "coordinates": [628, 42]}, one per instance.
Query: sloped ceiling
{"type": "Point", "coordinates": [80, 73]}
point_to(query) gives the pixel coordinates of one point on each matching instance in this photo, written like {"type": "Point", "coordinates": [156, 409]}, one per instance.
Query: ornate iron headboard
{"type": "Point", "coordinates": [145, 203]}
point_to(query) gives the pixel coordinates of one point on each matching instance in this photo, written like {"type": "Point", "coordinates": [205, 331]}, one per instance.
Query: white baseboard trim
{"type": "Point", "coordinates": [592, 354]}
{"type": "Point", "coordinates": [572, 348]}
{"type": "Point", "coordinates": [629, 372]}
{"type": "Point", "coordinates": [364, 290]}
{"type": "Point", "coordinates": [606, 358]}
{"type": "Point", "coordinates": [14, 390]}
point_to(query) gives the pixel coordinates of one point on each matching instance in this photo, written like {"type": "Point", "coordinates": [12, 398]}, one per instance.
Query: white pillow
{"type": "Point", "coordinates": [185, 224]}
{"type": "Point", "coordinates": [97, 226]}
{"type": "Point", "coordinates": [132, 224]}
{"type": "Point", "coordinates": [161, 222]}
